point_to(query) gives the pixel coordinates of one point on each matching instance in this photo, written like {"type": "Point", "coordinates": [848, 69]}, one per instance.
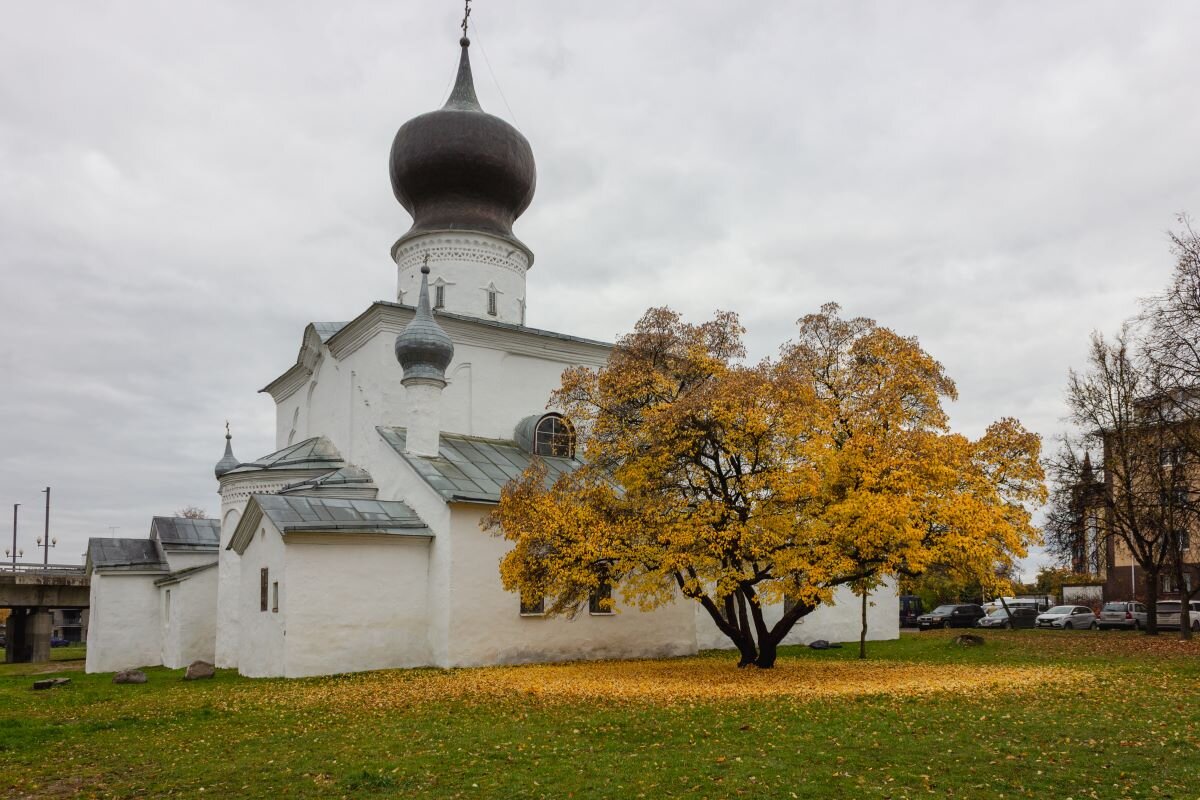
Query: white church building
{"type": "Point", "coordinates": [357, 545]}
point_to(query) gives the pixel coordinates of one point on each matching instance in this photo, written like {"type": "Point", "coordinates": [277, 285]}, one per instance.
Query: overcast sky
{"type": "Point", "coordinates": [183, 186]}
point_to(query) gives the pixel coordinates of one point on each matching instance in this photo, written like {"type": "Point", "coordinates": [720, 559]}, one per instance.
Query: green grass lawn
{"type": "Point", "coordinates": [1031, 714]}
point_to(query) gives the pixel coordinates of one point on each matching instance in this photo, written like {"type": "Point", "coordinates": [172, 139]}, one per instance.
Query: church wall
{"type": "Point", "coordinates": [397, 481]}
{"type": "Point", "coordinates": [125, 629]}
{"type": "Point", "coordinates": [486, 626]}
{"type": "Point", "coordinates": [182, 559]}
{"type": "Point", "coordinates": [355, 603]}
{"type": "Point", "coordinates": [228, 586]}
{"type": "Point", "coordinates": [466, 264]}
{"type": "Point", "coordinates": [190, 631]}
{"type": "Point", "coordinates": [840, 622]}
{"type": "Point", "coordinates": [260, 637]}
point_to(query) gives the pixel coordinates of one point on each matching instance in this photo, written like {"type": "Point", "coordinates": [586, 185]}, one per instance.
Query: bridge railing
{"type": "Point", "coordinates": [41, 569]}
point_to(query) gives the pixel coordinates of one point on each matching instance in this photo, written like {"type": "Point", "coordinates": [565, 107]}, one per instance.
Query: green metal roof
{"type": "Point", "coordinates": [315, 453]}
{"type": "Point", "coordinates": [470, 468]}
{"type": "Point", "coordinates": [297, 513]}
{"type": "Point", "coordinates": [184, 533]}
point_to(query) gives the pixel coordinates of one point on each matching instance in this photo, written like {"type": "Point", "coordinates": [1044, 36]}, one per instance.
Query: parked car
{"type": "Point", "coordinates": [961, 615]}
{"type": "Point", "coordinates": [1067, 618]}
{"type": "Point", "coordinates": [1015, 617]}
{"type": "Point", "coordinates": [58, 641]}
{"type": "Point", "coordinates": [1169, 613]}
{"type": "Point", "coordinates": [1125, 614]}
{"type": "Point", "coordinates": [910, 608]}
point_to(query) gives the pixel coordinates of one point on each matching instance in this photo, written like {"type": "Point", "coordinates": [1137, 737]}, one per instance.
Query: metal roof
{"type": "Point", "coordinates": [129, 554]}
{"type": "Point", "coordinates": [297, 513]}
{"type": "Point", "coordinates": [345, 478]}
{"type": "Point", "coordinates": [315, 453]}
{"type": "Point", "coordinates": [326, 330]}
{"type": "Point", "coordinates": [472, 468]}
{"type": "Point", "coordinates": [181, 532]}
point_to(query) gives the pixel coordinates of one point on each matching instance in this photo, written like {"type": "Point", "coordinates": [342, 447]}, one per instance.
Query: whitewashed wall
{"type": "Point", "coordinates": [468, 263]}
{"type": "Point", "coordinates": [486, 626]}
{"type": "Point", "coordinates": [190, 632]}
{"type": "Point", "coordinates": [355, 603]}
{"type": "Point", "coordinates": [125, 629]}
{"type": "Point", "coordinates": [182, 559]}
{"type": "Point", "coordinates": [229, 586]}
{"type": "Point", "coordinates": [261, 634]}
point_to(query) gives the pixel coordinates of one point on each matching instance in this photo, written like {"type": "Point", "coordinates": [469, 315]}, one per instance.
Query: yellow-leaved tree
{"type": "Point", "coordinates": [742, 485]}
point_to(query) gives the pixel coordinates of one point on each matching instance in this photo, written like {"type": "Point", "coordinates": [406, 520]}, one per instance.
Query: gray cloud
{"type": "Point", "coordinates": [183, 187]}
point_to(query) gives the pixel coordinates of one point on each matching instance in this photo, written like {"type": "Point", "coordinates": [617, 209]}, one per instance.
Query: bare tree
{"type": "Point", "coordinates": [191, 512]}
{"type": "Point", "coordinates": [1171, 354]}
{"type": "Point", "coordinates": [1118, 411]}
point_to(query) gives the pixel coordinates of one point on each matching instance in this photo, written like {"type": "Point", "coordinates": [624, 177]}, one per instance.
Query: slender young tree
{"type": "Point", "coordinates": [741, 485]}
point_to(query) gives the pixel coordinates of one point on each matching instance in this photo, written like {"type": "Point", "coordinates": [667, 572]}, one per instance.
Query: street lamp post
{"type": "Point", "coordinates": [14, 550]}
{"type": "Point", "coordinates": [45, 540]}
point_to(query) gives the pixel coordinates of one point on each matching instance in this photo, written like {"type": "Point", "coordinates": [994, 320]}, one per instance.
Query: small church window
{"type": "Point", "coordinates": [167, 609]}
{"type": "Point", "coordinates": [439, 296]}
{"type": "Point", "coordinates": [275, 596]}
{"type": "Point", "coordinates": [600, 600]}
{"type": "Point", "coordinates": [554, 437]}
{"type": "Point", "coordinates": [262, 589]}
{"type": "Point", "coordinates": [492, 302]}
{"type": "Point", "coordinates": [535, 609]}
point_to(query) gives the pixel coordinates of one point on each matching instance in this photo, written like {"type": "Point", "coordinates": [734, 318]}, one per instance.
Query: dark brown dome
{"type": "Point", "coordinates": [460, 168]}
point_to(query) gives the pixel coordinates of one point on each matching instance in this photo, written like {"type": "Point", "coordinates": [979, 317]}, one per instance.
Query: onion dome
{"type": "Point", "coordinates": [460, 168]}
{"type": "Point", "coordinates": [423, 349]}
{"type": "Point", "coordinates": [227, 461]}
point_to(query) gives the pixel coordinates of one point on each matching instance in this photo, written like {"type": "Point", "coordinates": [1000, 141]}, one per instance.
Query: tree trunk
{"type": "Point", "coordinates": [862, 636]}
{"type": "Point", "coordinates": [1185, 597]}
{"type": "Point", "coordinates": [768, 650]}
{"type": "Point", "coordinates": [1151, 603]}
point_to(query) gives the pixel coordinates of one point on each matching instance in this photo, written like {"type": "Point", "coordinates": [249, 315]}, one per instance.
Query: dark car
{"type": "Point", "coordinates": [910, 608]}
{"type": "Point", "coordinates": [58, 641]}
{"type": "Point", "coordinates": [1016, 617]}
{"type": "Point", "coordinates": [951, 616]}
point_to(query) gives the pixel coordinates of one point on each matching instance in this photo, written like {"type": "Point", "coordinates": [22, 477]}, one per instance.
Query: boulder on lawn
{"type": "Point", "coordinates": [968, 640]}
{"type": "Point", "coordinates": [50, 683]}
{"type": "Point", "coordinates": [130, 676]}
{"type": "Point", "coordinates": [821, 644]}
{"type": "Point", "coordinates": [199, 669]}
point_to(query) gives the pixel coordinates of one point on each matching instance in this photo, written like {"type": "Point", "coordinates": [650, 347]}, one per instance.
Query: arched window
{"type": "Point", "coordinates": [554, 436]}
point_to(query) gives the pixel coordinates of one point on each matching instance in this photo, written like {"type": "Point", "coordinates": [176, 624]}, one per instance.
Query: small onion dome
{"type": "Point", "coordinates": [459, 168]}
{"type": "Point", "coordinates": [423, 349]}
{"type": "Point", "coordinates": [227, 461]}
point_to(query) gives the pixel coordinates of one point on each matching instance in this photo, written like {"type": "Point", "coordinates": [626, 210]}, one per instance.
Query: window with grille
{"type": "Point", "coordinates": [439, 297]}
{"type": "Point", "coordinates": [554, 437]}
{"type": "Point", "coordinates": [262, 589]}
{"type": "Point", "coordinates": [275, 596]}
{"type": "Point", "coordinates": [492, 303]}
{"type": "Point", "coordinates": [600, 601]}
{"type": "Point", "coordinates": [535, 609]}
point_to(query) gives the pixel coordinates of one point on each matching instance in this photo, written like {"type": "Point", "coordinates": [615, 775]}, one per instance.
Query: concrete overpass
{"type": "Point", "coordinates": [31, 591]}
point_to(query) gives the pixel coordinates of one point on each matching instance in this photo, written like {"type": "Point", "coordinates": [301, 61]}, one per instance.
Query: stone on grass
{"type": "Point", "coordinates": [821, 644]}
{"type": "Point", "coordinates": [50, 683]}
{"type": "Point", "coordinates": [968, 640]}
{"type": "Point", "coordinates": [130, 676]}
{"type": "Point", "coordinates": [199, 669]}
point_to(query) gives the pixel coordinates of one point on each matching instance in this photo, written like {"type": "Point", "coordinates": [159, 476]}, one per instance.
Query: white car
{"type": "Point", "coordinates": [1067, 618]}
